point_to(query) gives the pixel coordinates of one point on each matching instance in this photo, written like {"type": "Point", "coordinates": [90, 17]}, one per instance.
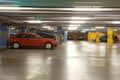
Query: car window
{"type": "Point", "coordinates": [22, 36]}
{"type": "Point", "coordinates": [43, 35]}
{"type": "Point", "coordinates": [31, 36]}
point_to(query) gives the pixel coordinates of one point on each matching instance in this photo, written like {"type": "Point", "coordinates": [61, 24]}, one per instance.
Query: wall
{"type": "Point", "coordinates": [3, 34]}
{"type": "Point", "coordinates": [76, 35]}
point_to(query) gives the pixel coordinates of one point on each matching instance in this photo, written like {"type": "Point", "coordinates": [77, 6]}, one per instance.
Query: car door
{"type": "Point", "coordinates": [22, 39]}
{"type": "Point", "coordinates": [34, 40]}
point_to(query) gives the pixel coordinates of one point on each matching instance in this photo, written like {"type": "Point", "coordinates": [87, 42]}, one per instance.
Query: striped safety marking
{"type": "Point", "coordinates": [0, 34]}
{"type": "Point", "coordinates": [6, 35]}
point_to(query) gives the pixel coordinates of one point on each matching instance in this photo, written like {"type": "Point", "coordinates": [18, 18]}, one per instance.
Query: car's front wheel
{"type": "Point", "coordinates": [48, 45]}
{"type": "Point", "coordinates": [16, 45]}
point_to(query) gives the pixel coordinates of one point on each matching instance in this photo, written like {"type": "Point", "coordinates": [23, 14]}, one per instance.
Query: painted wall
{"type": "Point", "coordinates": [4, 31]}
{"type": "Point", "coordinates": [76, 35]}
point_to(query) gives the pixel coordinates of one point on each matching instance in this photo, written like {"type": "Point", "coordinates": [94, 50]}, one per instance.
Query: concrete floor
{"type": "Point", "coordinates": [74, 60]}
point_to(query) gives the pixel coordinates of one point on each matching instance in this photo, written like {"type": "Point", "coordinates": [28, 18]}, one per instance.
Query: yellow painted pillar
{"type": "Point", "coordinates": [110, 36]}
{"type": "Point", "coordinates": [91, 36]}
{"type": "Point", "coordinates": [97, 36]}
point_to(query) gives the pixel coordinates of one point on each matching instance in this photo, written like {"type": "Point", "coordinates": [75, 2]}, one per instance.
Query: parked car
{"type": "Point", "coordinates": [31, 39]}
{"type": "Point", "coordinates": [104, 38]}
{"type": "Point", "coordinates": [80, 38]}
{"type": "Point", "coordinates": [70, 38]}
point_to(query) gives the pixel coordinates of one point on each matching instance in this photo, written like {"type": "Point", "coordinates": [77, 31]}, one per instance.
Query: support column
{"type": "Point", "coordinates": [59, 32]}
{"type": "Point", "coordinates": [110, 36]}
{"type": "Point", "coordinates": [91, 36]}
{"type": "Point", "coordinates": [97, 36]}
{"type": "Point", "coordinates": [65, 35]}
{"type": "Point", "coordinates": [3, 34]}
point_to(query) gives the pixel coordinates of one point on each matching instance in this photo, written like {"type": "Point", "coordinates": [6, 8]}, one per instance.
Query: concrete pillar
{"type": "Point", "coordinates": [59, 32]}
{"type": "Point", "coordinates": [110, 36]}
{"type": "Point", "coordinates": [97, 36]}
{"type": "Point", "coordinates": [91, 35]}
{"type": "Point", "coordinates": [4, 35]}
{"type": "Point", "coordinates": [65, 35]}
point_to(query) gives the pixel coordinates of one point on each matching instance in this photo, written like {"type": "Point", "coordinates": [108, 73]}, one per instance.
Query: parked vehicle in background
{"type": "Point", "coordinates": [104, 38]}
{"type": "Point", "coordinates": [70, 37]}
{"type": "Point", "coordinates": [80, 38]}
{"type": "Point", "coordinates": [31, 39]}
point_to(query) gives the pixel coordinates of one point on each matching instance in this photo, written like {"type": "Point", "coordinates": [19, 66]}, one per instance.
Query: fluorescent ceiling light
{"type": "Point", "coordinates": [67, 21]}
{"type": "Point", "coordinates": [83, 31]}
{"type": "Point", "coordinates": [89, 9]}
{"type": "Point", "coordinates": [86, 29]}
{"type": "Point", "coordinates": [92, 29]}
{"type": "Point", "coordinates": [14, 8]}
{"type": "Point", "coordinates": [73, 25]}
{"type": "Point", "coordinates": [48, 27]}
{"type": "Point", "coordinates": [116, 22]}
{"type": "Point", "coordinates": [80, 9]}
{"type": "Point", "coordinates": [99, 27]}
{"type": "Point", "coordinates": [81, 18]}
{"type": "Point", "coordinates": [33, 21]}
{"type": "Point", "coordinates": [72, 28]}
{"type": "Point", "coordinates": [45, 26]}
{"type": "Point", "coordinates": [77, 21]}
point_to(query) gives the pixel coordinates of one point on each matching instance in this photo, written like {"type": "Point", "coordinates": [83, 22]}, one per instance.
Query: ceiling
{"type": "Point", "coordinates": [66, 13]}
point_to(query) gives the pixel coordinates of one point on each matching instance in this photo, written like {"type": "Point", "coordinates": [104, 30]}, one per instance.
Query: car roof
{"type": "Point", "coordinates": [49, 34]}
{"type": "Point", "coordinates": [26, 33]}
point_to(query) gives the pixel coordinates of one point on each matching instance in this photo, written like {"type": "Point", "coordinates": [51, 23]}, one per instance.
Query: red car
{"type": "Point", "coordinates": [31, 39]}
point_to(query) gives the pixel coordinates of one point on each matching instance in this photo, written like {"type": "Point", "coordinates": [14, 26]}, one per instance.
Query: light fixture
{"type": "Point", "coordinates": [71, 25]}
{"type": "Point", "coordinates": [80, 18]}
{"type": "Point", "coordinates": [77, 21]}
{"type": "Point", "coordinates": [35, 21]}
{"type": "Point", "coordinates": [90, 9]}
{"type": "Point", "coordinates": [116, 22]}
{"type": "Point", "coordinates": [66, 21]}
{"type": "Point", "coordinates": [14, 8]}
{"type": "Point", "coordinates": [72, 28]}
{"type": "Point", "coordinates": [85, 29]}
{"type": "Point", "coordinates": [92, 29]}
{"type": "Point", "coordinates": [99, 27]}
{"type": "Point", "coordinates": [48, 27]}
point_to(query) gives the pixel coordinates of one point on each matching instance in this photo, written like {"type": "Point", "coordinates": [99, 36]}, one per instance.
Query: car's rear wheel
{"type": "Point", "coordinates": [16, 45]}
{"type": "Point", "coordinates": [48, 45]}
